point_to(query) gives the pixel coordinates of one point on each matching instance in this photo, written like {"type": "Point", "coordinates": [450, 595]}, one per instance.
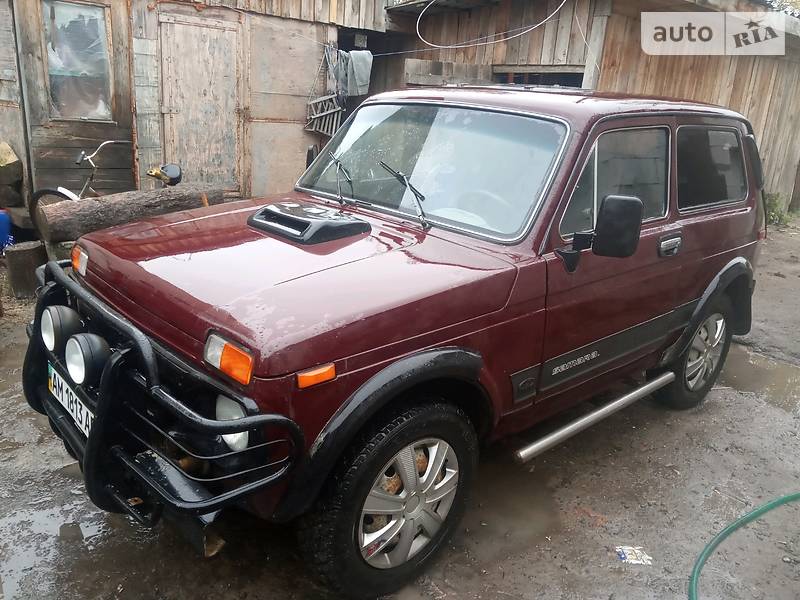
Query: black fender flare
{"type": "Point", "coordinates": [736, 268]}
{"type": "Point", "coordinates": [450, 362]}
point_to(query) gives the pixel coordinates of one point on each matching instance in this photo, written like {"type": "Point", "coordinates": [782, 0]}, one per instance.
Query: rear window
{"type": "Point", "coordinates": [710, 167]}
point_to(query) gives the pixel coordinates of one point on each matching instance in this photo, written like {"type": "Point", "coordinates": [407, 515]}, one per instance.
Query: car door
{"type": "Point", "coordinates": [715, 199]}
{"type": "Point", "coordinates": [610, 312]}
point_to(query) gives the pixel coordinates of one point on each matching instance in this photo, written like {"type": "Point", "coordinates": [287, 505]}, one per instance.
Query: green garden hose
{"type": "Point", "coordinates": [718, 539]}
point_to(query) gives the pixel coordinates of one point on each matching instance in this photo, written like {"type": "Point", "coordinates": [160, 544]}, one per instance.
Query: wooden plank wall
{"type": "Point", "coordinates": [12, 129]}
{"type": "Point", "coordinates": [55, 143]}
{"type": "Point", "coordinates": [147, 91]}
{"type": "Point", "coordinates": [763, 88]}
{"type": "Point", "coordinates": [279, 66]}
{"type": "Point", "coordinates": [280, 82]}
{"type": "Point", "coordinates": [431, 72]}
{"type": "Point", "coordinates": [356, 14]}
{"type": "Point", "coordinates": [559, 42]}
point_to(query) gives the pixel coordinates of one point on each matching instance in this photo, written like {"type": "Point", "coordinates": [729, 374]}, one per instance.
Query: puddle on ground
{"type": "Point", "coordinates": [30, 543]}
{"type": "Point", "coordinates": [777, 382]}
{"type": "Point", "coordinates": [511, 509]}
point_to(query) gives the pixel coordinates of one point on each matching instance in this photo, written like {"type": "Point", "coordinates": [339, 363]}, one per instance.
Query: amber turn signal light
{"type": "Point", "coordinates": [316, 375]}
{"type": "Point", "coordinates": [80, 259]}
{"type": "Point", "coordinates": [232, 360]}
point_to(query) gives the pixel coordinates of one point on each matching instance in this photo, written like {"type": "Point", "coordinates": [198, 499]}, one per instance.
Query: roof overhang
{"type": "Point", "coordinates": [417, 6]}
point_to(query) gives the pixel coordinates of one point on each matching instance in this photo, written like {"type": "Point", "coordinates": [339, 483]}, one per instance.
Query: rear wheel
{"type": "Point", "coordinates": [43, 197]}
{"type": "Point", "coordinates": [393, 502]}
{"type": "Point", "coordinates": [697, 369]}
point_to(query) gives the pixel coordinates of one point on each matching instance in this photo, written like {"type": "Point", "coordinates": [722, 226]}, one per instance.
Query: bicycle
{"type": "Point", "coordinates": [168, 174]}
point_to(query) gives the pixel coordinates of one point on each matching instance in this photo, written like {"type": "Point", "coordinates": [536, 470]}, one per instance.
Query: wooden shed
{"type": "Point", "coordinates": [596, 44]}
{"type": "Point", "coordinates": [223, 86]}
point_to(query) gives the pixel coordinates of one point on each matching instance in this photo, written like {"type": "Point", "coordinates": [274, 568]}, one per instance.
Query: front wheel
{"type": "Point", "coordinates": [394, 501]}
{"type": "Point", "coordinates": [698, 367]}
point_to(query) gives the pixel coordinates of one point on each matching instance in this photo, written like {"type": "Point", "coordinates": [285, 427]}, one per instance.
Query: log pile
{"type": "Point", "coordinates": [69, 220]}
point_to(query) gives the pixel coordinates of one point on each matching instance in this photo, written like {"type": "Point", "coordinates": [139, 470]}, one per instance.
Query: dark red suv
{"type": "Point", "coordinates": [455, 266]}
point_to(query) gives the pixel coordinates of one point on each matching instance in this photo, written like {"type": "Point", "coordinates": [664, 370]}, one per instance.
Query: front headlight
{"type": "Point", "coordinates": [86, 355]}
{"type": "Point", "coordinates": [58, 324]}
{"type": "Point", "coordinates": [228, 410]}
{"type": "Point", "coordinates": [75, 363]}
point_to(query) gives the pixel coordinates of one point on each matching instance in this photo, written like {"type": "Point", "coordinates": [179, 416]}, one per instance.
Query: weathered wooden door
{"type": "Point", "coordinates": [200, 70]}
{"type": "Point", "coordinates": [75, 60]}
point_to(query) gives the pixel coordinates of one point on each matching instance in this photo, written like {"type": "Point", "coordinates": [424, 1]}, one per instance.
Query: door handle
{"type": "Point", "coordinates": [670, 246]}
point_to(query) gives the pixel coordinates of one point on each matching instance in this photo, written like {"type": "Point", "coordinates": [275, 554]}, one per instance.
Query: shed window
{"type": "Point", "coordinates": [629, 162]}
{"type": "Point", "coordinates": [78, 64]}
{"type": "Point", "coordinates": [710, 167]}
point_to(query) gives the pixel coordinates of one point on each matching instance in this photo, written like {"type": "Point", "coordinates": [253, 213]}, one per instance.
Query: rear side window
{"type": "Point", "coordinates": [629, 162]}
{"type": "Point", "coordinates": [710, 167]}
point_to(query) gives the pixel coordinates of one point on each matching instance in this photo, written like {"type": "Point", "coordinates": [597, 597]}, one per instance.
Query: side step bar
{"type": "Point", "coordinates": [528, 452]}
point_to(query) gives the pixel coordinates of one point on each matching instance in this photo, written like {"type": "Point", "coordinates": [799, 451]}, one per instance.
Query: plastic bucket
{"type": "Point", "coordinates": [5, 228]}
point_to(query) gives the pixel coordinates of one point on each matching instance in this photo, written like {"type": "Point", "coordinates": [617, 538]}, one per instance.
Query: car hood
{"type": "Point", "coordinates": [183, 275]}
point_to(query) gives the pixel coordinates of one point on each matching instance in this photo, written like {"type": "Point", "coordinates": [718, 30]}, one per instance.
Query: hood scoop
{"type": "Point", "coordinates": [307, 223]}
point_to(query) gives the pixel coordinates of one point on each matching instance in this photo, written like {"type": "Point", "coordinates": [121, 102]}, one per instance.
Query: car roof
{"type": "Point", "coordinates": [576, 105]}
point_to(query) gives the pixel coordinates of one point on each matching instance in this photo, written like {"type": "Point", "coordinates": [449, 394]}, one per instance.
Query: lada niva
{"type": "Point", "coordinates": [455, 266]}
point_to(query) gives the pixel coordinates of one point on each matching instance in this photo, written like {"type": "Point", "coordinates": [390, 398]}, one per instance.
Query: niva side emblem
{"type": "Point", "coordinates": [575, 362]}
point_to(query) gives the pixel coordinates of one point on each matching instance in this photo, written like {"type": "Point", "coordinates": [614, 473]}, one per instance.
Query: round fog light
{"type": "Point", "coordinates": [58, 323]}
{"type": "Point", "coordinates": [86, 355]}
{"type": "Point", "coordinates": [229, 410]}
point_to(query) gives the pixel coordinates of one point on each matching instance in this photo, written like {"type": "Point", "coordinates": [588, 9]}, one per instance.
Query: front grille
{"type": "Point", "coordinates": [155, 418]}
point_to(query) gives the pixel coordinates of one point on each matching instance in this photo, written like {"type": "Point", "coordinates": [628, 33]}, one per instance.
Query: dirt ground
{"type": "Point", "coordinates": [663, 481]}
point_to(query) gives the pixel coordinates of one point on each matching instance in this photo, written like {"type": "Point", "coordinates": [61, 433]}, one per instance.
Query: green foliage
{"type": "Point", "coordinates": [776, 215]}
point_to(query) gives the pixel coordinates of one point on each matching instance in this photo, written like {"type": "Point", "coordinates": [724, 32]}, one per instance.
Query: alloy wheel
{"type": "Point", "coordinates": [408, 503]}
{"type": "Point", "coordinates": [705, 351]}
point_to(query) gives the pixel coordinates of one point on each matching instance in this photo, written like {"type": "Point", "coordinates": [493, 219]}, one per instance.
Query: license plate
{"type": "Point", "coordinates": [79, 412]}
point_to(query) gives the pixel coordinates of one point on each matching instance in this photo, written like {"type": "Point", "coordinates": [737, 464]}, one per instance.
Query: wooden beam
{"type": "Point", "coordinates": [398, 23]}
{"type": "Point", "coordinates": [597, 36]}
{"type": "Point", "coordinates": [537, 69]}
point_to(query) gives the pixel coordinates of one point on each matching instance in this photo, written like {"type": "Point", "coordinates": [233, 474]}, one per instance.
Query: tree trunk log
{"type": "Point", "coordinates": [70, 219]}
{"type": "Point", "coordinates": [22, 260]}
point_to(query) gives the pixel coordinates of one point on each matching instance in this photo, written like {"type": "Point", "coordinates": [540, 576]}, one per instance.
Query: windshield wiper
{"type": "Point", "coordinates": [418, 197]}
{"type": "Point", "coordinates": [341, 169]}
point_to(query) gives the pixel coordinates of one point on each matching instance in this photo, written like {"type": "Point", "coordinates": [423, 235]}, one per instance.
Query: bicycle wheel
{"type": "Point", "coordinates": [44, 197]}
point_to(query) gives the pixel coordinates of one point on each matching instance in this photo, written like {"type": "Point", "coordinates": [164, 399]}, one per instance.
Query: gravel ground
{"type": "Point", "coordinates": [663, 481]}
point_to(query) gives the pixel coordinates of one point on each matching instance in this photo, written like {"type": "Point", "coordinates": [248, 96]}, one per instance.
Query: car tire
{"type": "Point", "coordinates": [363, 555]}
{"type": "Point", "coordinates": [697, 369]}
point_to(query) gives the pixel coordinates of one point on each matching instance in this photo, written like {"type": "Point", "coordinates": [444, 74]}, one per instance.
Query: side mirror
{"type": "Point", "coordinates": [311, 154]}
{"type": "Point", "coordinates": [619, 223]}
{"type": "Point", "coordinates": [616, 232]}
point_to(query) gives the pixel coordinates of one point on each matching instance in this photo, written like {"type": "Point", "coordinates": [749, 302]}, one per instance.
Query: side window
{"type": "Point", "coordinates": [710, 167]}
{"type": "Point", "coordinates": [630, 162]}
{"type": "Point", "coordinates": [579, 215]}
{"type": "Point", "coordinates": [78, 63]}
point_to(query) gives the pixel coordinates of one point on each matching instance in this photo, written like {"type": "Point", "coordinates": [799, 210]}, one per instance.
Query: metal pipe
{"type": "Point", "coordinates": [559, 435]}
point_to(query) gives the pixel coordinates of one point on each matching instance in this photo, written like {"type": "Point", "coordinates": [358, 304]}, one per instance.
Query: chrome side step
{"type": "Point", "coordinates": [528, 452]}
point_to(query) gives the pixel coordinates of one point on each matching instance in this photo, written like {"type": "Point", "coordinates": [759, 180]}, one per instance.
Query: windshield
{"type": "Point", "coordinates": [477, 170]}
